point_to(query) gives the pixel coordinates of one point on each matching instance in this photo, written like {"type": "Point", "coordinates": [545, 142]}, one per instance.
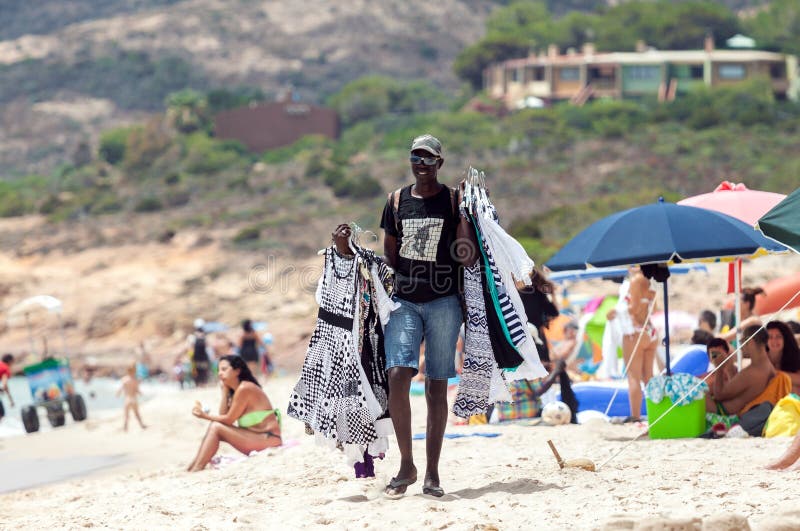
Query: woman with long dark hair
{"type": "Point", "coordinates": [243, 402]}
{"type": "Point", "coordinates": [783, 351]}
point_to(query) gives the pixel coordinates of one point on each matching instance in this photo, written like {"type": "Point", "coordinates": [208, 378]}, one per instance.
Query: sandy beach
{"type": "Point", "coordinates": [507, 482]}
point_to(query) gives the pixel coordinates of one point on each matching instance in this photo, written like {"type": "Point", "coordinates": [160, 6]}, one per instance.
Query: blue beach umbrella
{"type": "Point", "coordinates": [660, 233]}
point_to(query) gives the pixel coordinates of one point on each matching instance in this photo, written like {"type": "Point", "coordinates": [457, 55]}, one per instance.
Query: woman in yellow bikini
{"type": "Point", "coordinates": [244, 403]}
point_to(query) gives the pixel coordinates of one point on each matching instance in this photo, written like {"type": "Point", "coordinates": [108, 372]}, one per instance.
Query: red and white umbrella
{"type": "Point", "coordinates": [738, 201]}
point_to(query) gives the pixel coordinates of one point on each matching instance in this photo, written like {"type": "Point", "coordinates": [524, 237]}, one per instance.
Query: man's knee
{"type": "Point", "coordinates": [400, 377]}
{"type": "Point", "coordinates": [435, 389]}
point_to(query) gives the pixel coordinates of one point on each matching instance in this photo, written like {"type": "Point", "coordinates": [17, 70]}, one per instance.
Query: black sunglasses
{"type": "Point", "coordinates": [427, 161]}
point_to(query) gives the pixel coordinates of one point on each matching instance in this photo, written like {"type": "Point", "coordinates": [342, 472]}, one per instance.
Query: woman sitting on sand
{"type": "Point", "coordinates": [244, 402]}
{"type": "Point", "coordinates": [784, 353]}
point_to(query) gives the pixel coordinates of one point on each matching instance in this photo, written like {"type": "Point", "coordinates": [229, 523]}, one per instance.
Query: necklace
{"type": "Point", "coordinates": [349, 269]}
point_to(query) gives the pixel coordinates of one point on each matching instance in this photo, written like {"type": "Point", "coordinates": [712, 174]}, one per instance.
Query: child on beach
{"type": "Point", "coordinates": [130, 388]}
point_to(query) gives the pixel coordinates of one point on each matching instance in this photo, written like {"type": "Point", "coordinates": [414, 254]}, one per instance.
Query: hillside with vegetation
{"type": "Point", "coordinates": [192, 216]}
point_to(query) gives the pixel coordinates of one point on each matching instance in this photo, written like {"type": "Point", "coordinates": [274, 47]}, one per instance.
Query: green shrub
{"type": "Point", "coordinates": [207, 156]}
{"type": "Point", "coordinates": [144, 145]}
{"type": "Point", "coordinates": [315, 166]}
{"type": "Point", "coordinates": [360, 187]}
{"type": "Point", "coordinates": [50, 204]}
{"type": "Point", "coordinates": [375, 96]}
{"type": "Point", "coordinates": [248, 234]}
{"type": "Point", "coordinates": [224, 99]}
{"type": "Point", "coordinates": [148, 203]}
{"type": "Point", "coordinates": [105, 204]}
{"type": "Point", "coordinates": [112, 144]}
{"type": "Point", "coordinates": [13, 204]}
{"type": "Point", "coordinates": [312, 143]}
{"type": "Point", "coordinates": [175, 197]}
{"type": "Point", "coordinates": [187, 111]}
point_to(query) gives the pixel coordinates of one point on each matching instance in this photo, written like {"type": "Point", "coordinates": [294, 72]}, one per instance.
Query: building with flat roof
{"type": "Point", "coordinates": [276, 124]}
{"type": "Point", "coordinates": [664, 74]}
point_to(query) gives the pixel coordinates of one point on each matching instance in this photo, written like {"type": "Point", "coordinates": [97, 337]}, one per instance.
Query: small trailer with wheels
{"type": "Point", "coordinates": [52, 388]}
{"type": "Point", "coordinates": [50, 380]}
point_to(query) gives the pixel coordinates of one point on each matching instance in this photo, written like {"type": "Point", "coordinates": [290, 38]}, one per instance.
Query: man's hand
{"type": "Point", "coordinates": [341, 238]}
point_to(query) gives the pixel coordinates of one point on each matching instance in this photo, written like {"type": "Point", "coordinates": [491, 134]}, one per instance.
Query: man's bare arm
{"type": "Point", "coordinates": [390, 249]}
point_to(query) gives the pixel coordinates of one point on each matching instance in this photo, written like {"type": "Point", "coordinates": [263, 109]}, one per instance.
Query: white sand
{"type": "Point", "coordinates": [508, 482]}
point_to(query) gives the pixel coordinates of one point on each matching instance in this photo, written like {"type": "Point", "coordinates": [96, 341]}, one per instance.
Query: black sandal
{"type": "Point", "coordinates": [430, 490]}
{"type": "Point", "coordinates": [395, 484]}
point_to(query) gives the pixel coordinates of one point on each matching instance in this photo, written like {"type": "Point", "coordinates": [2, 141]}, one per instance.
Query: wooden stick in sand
{"type": "Point", "coordinates": [581, 462]}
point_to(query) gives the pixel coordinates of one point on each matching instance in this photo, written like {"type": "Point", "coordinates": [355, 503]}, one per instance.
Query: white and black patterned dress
{"type": "Point", "coordinates": [342, 390]}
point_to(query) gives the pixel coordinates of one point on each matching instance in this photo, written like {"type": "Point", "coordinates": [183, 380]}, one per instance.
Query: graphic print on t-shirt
{"type": "Point", "coordinates": [421, 238]}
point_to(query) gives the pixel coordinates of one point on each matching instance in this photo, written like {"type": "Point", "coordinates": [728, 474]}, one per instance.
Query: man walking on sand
{"type": "Point", "coordinates": [425, 240]}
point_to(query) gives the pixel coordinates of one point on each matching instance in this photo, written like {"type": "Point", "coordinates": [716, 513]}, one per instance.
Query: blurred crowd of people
{"type": "Point", "coordinates": [204, 347]}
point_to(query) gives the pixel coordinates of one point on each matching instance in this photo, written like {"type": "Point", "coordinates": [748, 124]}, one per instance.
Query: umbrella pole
{"type": "Point", "coordinates": [737, 288]}
{"type": "Point", "coordinates": [666, 327]}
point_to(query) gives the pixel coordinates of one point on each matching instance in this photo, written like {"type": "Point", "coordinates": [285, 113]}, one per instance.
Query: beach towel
{"type": "Point", "coordinates": [488, 435]}
{"type": "Point", "coordinates": [221, 461]}
{"type": "Point", "coordinates": [784, 421]}
{"type": "Point", "coordinates": [525, 405]}
{"type": "Point", "coordinates": [779, 386]}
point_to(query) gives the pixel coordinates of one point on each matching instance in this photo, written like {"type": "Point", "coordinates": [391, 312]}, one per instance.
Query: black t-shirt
{"type": "Point", "coordinates": [426, 267]}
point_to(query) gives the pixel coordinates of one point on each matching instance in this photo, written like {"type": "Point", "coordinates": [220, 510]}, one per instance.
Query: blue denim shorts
{"type": "Point", "coordinates": [438, 322]}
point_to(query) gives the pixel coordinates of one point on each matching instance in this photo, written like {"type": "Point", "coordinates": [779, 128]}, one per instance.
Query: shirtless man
{"type": "Point", "coordinates": [719, 355]}
{"type": "Point", "coordinates": [729, 397]}
{"type": "Point", "coordinates": [130, 389]}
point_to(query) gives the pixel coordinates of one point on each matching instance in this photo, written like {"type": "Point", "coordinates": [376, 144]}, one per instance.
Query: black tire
{"type": "Point", "coordinates": [55, 414]}
{"type": "Point", "coordinates": [77, 407]}
{"type": "Point", "coordinates": [30, 419]}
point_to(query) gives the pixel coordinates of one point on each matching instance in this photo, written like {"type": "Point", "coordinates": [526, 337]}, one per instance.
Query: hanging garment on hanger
{"type": "Point", "coordinates": [509, 255]}
{"type": "Point", "coordinates": [513, 264]}
{"type": "Point", "coordinates": [532, 366]}
{"type": "Point", "coordinates": [481, 383]}
{"type": "Point", "coordinates": [342, 392]}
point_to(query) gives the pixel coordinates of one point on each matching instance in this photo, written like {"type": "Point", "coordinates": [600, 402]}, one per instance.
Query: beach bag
{"type": "Point", "coordinates": [754, 420]}
{"type": "Point", "coordinates": [784, 421]}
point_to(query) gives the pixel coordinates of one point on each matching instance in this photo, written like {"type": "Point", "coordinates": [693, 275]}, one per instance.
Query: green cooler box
{"type": "Point", "coordinates": [682, 422]}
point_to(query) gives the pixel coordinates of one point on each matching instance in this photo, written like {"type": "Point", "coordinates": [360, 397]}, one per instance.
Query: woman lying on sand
{"type": "Point", "coordinates": [243, 402]}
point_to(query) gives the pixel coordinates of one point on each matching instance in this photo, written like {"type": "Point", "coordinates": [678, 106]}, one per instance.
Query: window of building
{"type": "Point", "coordinates": [534, 73]}
{"type": "Point", "coordinates": [732, 71]}
{"type": "Point", "coordinates": [569, 74]}
{"type": "Point", "coordinates": [644, 72]}
{"type": "Point", "coordinates": [696, 71]}
{"type": "Point", "coordinates": [513, 75]}
{"type": "Point", "coordinates": [777, 70]}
